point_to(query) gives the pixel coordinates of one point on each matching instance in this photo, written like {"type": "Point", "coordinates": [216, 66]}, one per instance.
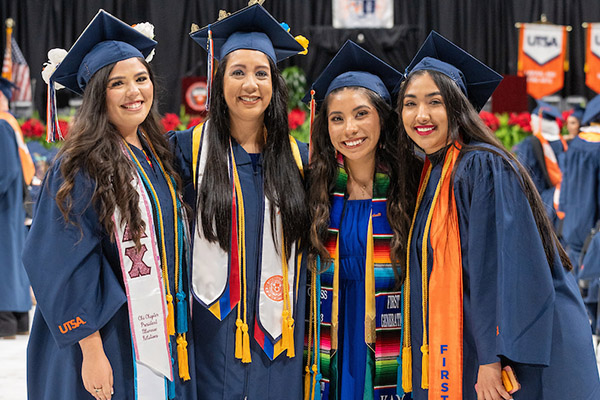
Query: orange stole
{"type": "Point", "coordinates": [26, 161]}
{"type": "Point", "coordinates": [446, 292]}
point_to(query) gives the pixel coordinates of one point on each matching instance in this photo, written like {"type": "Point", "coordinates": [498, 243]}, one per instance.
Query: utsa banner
{"type": "Point", "coordinates": [542, 58]}
{"type": "Point", "coordinates": [592, 57]}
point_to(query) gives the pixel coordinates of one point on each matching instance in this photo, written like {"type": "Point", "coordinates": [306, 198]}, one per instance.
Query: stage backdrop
{"type": "Point", "coordinates": [484, 28]}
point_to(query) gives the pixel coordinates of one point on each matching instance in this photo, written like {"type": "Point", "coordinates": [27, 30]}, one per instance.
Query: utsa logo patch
{"type": "Point", "coordinates": [70, 325]}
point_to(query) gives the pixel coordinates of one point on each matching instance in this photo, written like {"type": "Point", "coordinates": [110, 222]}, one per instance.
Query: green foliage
{"type": "Point", "coordinates": [296, 84]}
{"type": "Point", "coordinates": [509, 134]}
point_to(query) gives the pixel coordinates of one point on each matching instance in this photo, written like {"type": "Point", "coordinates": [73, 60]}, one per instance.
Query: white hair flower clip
{"type": "Point", "coordinates": [55, 57]}
{"type": "Point", "coordinates": [146, 29]}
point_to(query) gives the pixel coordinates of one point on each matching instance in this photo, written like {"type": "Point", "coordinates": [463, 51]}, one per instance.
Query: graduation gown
{"type": "Point", "coordinates": [220, 374]}
{"type": "Point", "coordinates": [515, 308]}
{"type": "Point", "coordinates": [75, 273]}
{"type": "Point", "coordinates": [14, 285]}
{"type": "Point", "coordinates": [580, 199]}
{"type": "Point", "coordinates": [526, 156]}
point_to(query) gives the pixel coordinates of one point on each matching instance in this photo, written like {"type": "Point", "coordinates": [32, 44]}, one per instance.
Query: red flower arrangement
{"type": "Point", "coordinates": [523, 120]}
{"type": "Point", "coordinates": [33, 128]}
{"type": "Point", "coordinates": [170, 122]}
{"type": "Point", "coordinates": [296, 117]}
{"type": "Point", "coordinates": [490, 120]}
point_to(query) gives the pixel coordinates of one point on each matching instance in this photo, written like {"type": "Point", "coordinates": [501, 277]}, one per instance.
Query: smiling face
{"type": "Point", "coordinates": [353, 123]}
{"type": "Point", "coordinates": [247, 84]}
{"type": "Point", "coordinates": [129, 95]}
{"type": "Point", "coordinates": [424, 114]}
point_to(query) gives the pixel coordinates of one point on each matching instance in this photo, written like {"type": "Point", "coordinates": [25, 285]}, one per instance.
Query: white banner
{"type": "Point", "coordinates": [543, 43]}
{"type": "Point", "coordinates": [363, 13]}
{"type": "Point", "coordinates": [595, 39]}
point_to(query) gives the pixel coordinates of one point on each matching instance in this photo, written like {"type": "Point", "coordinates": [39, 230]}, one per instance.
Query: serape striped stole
{"type": "Point", "coordinates": [383, 308]}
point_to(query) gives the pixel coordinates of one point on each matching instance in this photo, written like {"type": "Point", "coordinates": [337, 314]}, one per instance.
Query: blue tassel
{"type": "Point", "coordinates": [182, 324]}
{"type": "Point", "coordinates": [318, 386]}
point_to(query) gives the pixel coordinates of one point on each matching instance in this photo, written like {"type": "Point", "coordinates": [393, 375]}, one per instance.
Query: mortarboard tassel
{"type": "Point", "coordinates": [209, 66]}
{"type": "Point", "coordinates": [170, 315]}
{"type": "Point", "coordinates": [312, 118]}
{"type": "Point", "coordinates": [182, 325]}
{"type": "Point", "coordinates": [53, 129]}
{"type": "Point", "coordinates": [182, 358]}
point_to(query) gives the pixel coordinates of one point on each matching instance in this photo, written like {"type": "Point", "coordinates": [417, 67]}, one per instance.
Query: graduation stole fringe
{"type": "Point", "coordinates": [220, 289]}
{"type": "Point", "coordinates": [382, 303]}
{"type": "Point", "coordinates": [136, 269]}
{"type": "Point", "coordinates": [26, 161]}
{"type": "Point", "coordinates": [442, 355]}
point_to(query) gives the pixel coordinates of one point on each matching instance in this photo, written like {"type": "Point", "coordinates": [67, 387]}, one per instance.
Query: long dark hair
{"type": "Point", "coordinates": [94, 147]}
{"type": "Point", "coordinates": [466, 128]}
{"type": "Point", "coordinates": [391, 156]}
{"type": "Point", "coordinates": [283, 184]}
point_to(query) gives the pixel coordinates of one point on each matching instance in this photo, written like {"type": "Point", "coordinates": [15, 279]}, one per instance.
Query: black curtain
{"type": "Point", "coordinates": [484, 28]}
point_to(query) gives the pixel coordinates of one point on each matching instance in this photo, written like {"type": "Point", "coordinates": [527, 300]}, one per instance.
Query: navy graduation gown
{"type": "Point", "coordinates": [220, 374]}
{"type": "Point", "coordinates": [515, 308]}
{"type": "Point", "coordinates": [76, 276]}
{"type": "Point", "coordinates": [526, 156]}
{"type": "Point", "coordinates": [14, 285]}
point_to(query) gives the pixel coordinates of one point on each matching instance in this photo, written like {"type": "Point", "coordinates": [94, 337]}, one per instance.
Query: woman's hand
{"type": "Point", "coordinates": [96, 371]}
{"type": "Point", "coordinates": [489, 383]}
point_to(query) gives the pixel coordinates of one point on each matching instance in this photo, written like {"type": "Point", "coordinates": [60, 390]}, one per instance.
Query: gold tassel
{"type": "Point", "coordinates": [425, 367]}
{"type": "Point", "coordinates": [291, 351]}
{"type": "Point", "coordinates": [182, 358]}
{"type": "Point", "coordinates": [170, 316]}
{"type": "Point", "coordinates": [306, 383]}
{"type": "Point", "coordinates": [407, 369]}
{"type": "Point", "coordinates": [313, 390]}
{"type": "Point", "coordinates": [238, 339]}
{"type": "Point", "coordinates": [246, 358]}
{"type": "Point", "coordinates": [285, 340]}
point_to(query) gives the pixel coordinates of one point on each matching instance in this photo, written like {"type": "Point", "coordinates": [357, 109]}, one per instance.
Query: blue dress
{"type": "Point", "coordinates": [543, 331]}
{"type": "Point", "coordinates": [14, 285]}
{"type": "Point", "coordinates": [75, 272]}
{"type": "Point", "coordinates": [353, 251]}
{"type": "Point", "coordinates": [220, 374]}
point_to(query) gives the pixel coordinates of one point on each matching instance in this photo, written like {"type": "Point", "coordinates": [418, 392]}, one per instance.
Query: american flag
{"type": "Point", "coordinates": [18, 68]}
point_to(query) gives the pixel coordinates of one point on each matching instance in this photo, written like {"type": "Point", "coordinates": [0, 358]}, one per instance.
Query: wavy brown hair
{"type": "Point", "coordinates": [391, 157]}
{"type": "Point", "coordinates": [94, 148]}
{"type": "Point", "coordinates": [467, 128]}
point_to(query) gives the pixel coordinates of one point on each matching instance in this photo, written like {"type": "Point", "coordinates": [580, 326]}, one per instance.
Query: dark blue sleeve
{"type": "Point", "coordinates": [181, 145]}
{"type": "Point", "coordinates": [76, 288]}
{"type": "Point", "coordinates": [10, 164]}
{"type": "Point", "coordinates": [509, 293]}
{"type": "Point", "coordinates": [526, 156]}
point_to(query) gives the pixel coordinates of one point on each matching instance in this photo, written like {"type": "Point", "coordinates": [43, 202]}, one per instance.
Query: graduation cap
{"type": "Point", "coordinates": [592, 111]}
{"type": "Point", "coordinates": [475, 79]}
{"type": "Point", "coordinates": [104, 41]}
{"type": "Point", "coordinates": [6, 87]}
{"type": "Point", "coordinates": [354, 66]}
{"type": "Point", "coordinates": [548, 111]}
{"type": "Point", "coordinates": [578, 112]}
{"type": "Point", "coordinates": [250, 28]}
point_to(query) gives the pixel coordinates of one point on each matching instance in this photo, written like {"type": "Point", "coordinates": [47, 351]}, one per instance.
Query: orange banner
{"type": "Point", "coordinates": [592, 57]}
{"type": "Point", "coordinates": [542, 52]}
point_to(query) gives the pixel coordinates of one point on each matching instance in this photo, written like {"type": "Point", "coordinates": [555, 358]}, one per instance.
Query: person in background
{"type": "Point", "coordinates": [488, 284]}
{"type": "Point", "coordinates": [107, 248]}
{"type": "Point", "coordinates": [359, 228]}
{"type": "Point", "coordinates": [573, 123]}
{"type": "Point", "coordinates": [580, 201]}
{"type": "Point", "coordinates": [16, 172]}
{"type": "Point", "coordinates": [540, 154]}
{"type": "Point", "coordinates": [244, 180]}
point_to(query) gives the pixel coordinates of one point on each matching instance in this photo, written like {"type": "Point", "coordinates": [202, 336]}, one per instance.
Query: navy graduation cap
{"type": "Point", "coordinates": [548, 111]}
{"type": "Point", "coordinates": [578, 112]}
{"type": "Point", "coordinates": [354, 66]}
{"type": "Point", "coordinates": [104, 41]}
{"type": "Point", "coordinates": [592, 111]}
{"type": "Point", "coordinates": [250, 28]}
{"type": "Point", "coordinates": [6, 87]}
{"type": "Point", "coordinates": [475, 79]}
